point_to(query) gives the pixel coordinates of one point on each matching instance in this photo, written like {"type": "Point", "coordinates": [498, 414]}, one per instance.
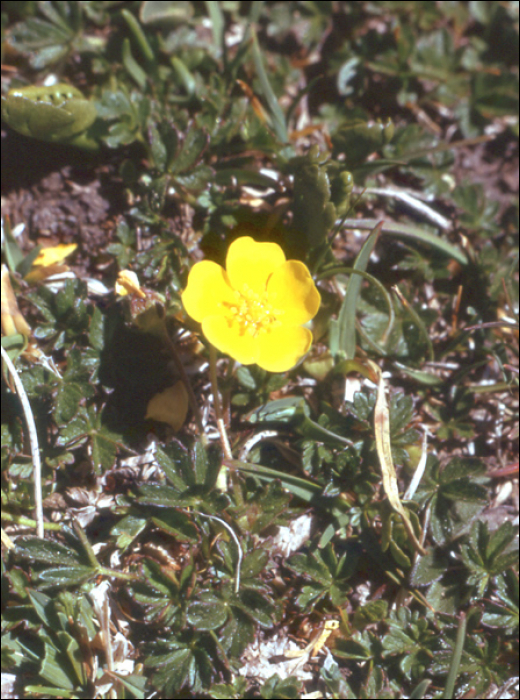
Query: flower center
{"type": "Point", "coordinates": [253, 312]}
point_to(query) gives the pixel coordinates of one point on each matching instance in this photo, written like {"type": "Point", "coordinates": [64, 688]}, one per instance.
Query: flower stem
{"type": "Point", "coordinates": [186, 381]}
{"type": "Point", "coordinates": [224, 440]}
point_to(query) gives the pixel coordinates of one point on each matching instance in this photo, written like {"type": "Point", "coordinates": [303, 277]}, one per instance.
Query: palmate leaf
{"type": "Point", "coordinates": [48, 40]}
{"type": "Point", "coordinates": [88, 425]}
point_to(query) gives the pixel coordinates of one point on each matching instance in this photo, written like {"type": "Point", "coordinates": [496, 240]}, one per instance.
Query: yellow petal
{"type": "Point", "coordinates": [283, 347]}
{"type": "Point", "coordinates": [226, 337]}
{"type": "Point", "coordinates": [12, 320]}
{"type": "Point", "coordinates": [54, 254]}
{"type": "Point", "coordinates": [43, 272]}
{"type": "Point", "coordinates": [292, 290]}
{"type": "Point", "coordinates": [169, 406]}
{"type": "Point", "coordinates": [250, 263]}
{"type": "Point", "coordinates": [208, 287]}
{"type": "Point", "coordinates": [128, 283]}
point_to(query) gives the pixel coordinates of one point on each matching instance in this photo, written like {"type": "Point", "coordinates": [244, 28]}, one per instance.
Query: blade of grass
{"type": "Point", "coordinates": [455, 660]}
{"type": "Point", "coordinates": [302, 488]}
{"type": "Point", "coordinates": [217, 22]}
{"type": "Point", "coordinates": [306, 490]}
{"type": "Point", "coordinates": [131, 65]}
{"type": "Point", "coordinates": [340, 270]}
{"type": "Point", "coordinates": [277, 115]}
{"type": "Point", "coordinates": [399, 230]}
{"type": "Point", "coordinates": [347, 314]}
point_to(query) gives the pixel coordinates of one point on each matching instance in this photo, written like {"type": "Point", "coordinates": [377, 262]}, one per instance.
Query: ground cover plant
{"type": "Point", "coordinates": [260, 349]}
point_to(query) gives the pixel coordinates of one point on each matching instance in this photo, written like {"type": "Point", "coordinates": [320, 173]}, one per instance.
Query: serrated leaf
{"type": "Point", "coordinates": [193, 146]}
{"type": "Point", "coordinates": [46, 551]}
{"type": "Point", "coordinates": [207, 615]}
{"type": "Point", "coordinates": [429, 568]}
{"type": "Point", "coordinates": [65, 576]}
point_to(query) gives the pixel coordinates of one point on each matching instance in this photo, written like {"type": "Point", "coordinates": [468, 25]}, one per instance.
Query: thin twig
{"type": "Point", "coordinates": [186, 381]}
{"type": "Point", "coordinates": [33, 439]}
{"type": "Point", "coordinates": [224, 440]}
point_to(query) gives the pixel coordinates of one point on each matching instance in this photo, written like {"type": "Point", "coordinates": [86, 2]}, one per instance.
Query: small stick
{"type": "Point", "coordinates": [224, 440]}
{"type": "Point", "coordinates": [186, 381]}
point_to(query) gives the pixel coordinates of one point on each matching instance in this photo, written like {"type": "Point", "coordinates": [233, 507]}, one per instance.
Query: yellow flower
{"type": "Point", "coordinates": [254, 310]}
{"type": "Point", "coordinates": [128, 283]}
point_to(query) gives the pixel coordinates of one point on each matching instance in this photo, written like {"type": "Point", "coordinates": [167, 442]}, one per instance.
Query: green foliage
{"type": "Point", "coordinates": [327, 573]}
{"type": "Point", "coordinates": [51, 34]}
{"type": "Point", "coordinates": [275, 120]}
{"type": "Point", "coordinates": [488, 554]}
{"type": "Point", "coordinates": [455, 494]}
{"type": "Point", "coordinates": [59, 113]}
{"type": "Point", "coordinates": [318, 198]}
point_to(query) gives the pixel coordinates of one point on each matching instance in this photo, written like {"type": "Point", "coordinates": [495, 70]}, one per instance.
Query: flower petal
{"type": "Point", "coordinates": [292, 290]}
{"type": "Point", "coordinates": [283, 347]}
{"type": "Point", "coordinates": [54, 254]}
{"type": "Point", "coordinates": [169, 406]}
{"type": "Point", "coordinates": [226, 337]}
{"type": "Point", "coordinates": [250, 263]}
{"type": "Point", "coordinates": [128, 283]}
{"type": "Point", "coordinates": [208, 286]}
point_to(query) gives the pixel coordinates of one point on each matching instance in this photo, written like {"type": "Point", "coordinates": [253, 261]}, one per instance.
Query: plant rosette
{"type": "Point", "coordinates": [254, 310]}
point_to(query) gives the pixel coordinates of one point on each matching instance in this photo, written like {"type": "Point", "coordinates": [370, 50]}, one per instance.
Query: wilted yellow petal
{"type": "Point", "coordinates": [128, 283]}
{"type": "Point", "coordinates": [169, 406]}
{"type": "Point", "coordinates": [12, 320]}
{"type": "Point", "coordinates": [250, 264]}
{"type": "Point", "coordinates": [292, 289]}
{"type": "Point", "coordinates": [54, 254]}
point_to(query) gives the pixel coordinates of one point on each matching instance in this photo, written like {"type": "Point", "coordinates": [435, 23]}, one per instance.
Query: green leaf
{"type": "Point", "coordinates": [55, 671]}
{"type": "Point", "coordinates": [177, 524]}
{"type": "Point", "coordinates": [88, 425]}
{"type": "Point", "coordinates": [175, 461]}
{"type": "Point", "coordinates": [208, 614]}
{"type": "Point", "coordinates": [193, 146]}
{"type": "Point", "coordinates": [429, 568]}
{"type": "Point", "coordinates": [275, 109]}
{"type": "Point", "coordinates": [131, 65]}
{"type": "Point", "coordinates": [65, 576]}
{"type": "Point", "coordinates": [46, 551]}
{"type": "Point", "coordinates": [285, 689]}
{"type": "Point", "coordinates": [371, 612]}
{"type": "Point", "coordinates": [311, 565]}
